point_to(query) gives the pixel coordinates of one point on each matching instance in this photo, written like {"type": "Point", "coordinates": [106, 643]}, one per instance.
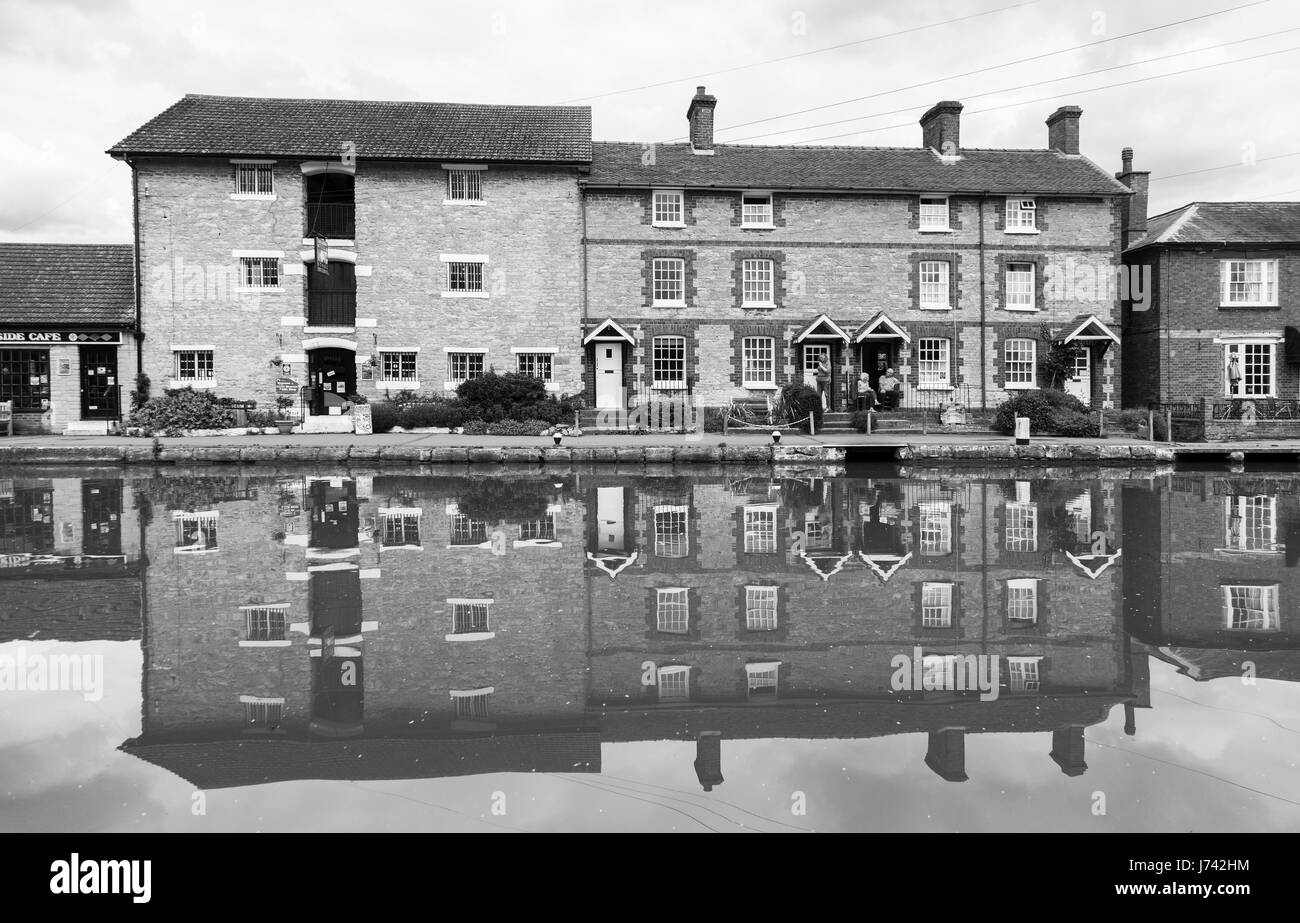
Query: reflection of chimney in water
{"type": "Point", "coordinates": [947, 754]}
{"type": "Point", "coordinates": [1130, 720]}
{"type": "Point", "coordinates": [1067, 750]}
{"type": "Point", "coordinates": [708, 759]}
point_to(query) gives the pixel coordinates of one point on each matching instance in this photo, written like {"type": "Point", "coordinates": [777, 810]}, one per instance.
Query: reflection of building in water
{"type": "Point", "coordinates": [70, 560]}
{"type": "Point", "coordinates": [1213, 584]}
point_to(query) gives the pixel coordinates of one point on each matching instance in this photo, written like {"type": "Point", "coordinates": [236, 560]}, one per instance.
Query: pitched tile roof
{"type": "Point", "coordinates": [1224, 222]}
{"type": "Point", "coordinates": [66, 284]}
{"type": "Point", "coordinates": [872, 169]}
{"type": "Point", "coordinates": [317, 128]}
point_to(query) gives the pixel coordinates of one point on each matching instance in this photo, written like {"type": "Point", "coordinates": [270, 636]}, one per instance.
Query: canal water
{"type": "Point", "coordinates": [724, 650]}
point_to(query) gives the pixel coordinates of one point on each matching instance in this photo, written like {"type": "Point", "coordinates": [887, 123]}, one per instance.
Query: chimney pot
{"type": "Point", "coordinates": [1126, 156]}
{"type": "Point", "coordinates": [941, 127]}
{"type": "Point", "coordinates": [1133, 210]}
{"type": "Point", "coordinates": [700, 116]}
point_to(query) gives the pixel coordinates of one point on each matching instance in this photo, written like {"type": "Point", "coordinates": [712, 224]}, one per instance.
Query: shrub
{"type": "Point", "coordinates": [1072, 423]}
{"type": "Point", "coordinates": [179, 410]}
{"type": "Point", "coordinates": [513, 499]}
{"type": "Point", "coordinates": [1039, 407]}
{"type": "Point", "coordinates": [431, 413]}
{"type": "Point", "coordinates": [1130, 420]}
{"type": "Point", "coordinates": [383, 416]}
{"type": "Point", "coordinates": [860, 420]}
{"type": "Point", "coordinates": [714, 419]}
{"type": "Point", "coordinates": [475, 427]}
{"type": "Point", "coordinates": [798, 401]}
{"type": "Point", "coordinates": [517, 428]}
{"type": "Point", "coordinates": [493, 397]}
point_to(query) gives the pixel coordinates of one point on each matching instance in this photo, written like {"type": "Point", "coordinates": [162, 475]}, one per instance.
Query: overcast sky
{"type": "Point", "coordinates": [81, 74]}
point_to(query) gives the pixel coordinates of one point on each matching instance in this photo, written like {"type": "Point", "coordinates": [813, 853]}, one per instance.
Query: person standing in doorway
{"type": "Point", "coordinates": [823, 377]}
{"type": "Point", "coordinates": [1234, 382]}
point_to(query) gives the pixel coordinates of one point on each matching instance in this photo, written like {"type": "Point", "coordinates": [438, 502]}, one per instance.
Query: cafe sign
{"type": "Point", "coordinates": [57, 336]}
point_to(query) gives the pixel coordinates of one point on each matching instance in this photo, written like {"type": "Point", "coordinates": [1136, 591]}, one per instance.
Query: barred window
{"type": "Point", "coordinates": [669, 207]}
{"type": "Point", "coordinates": [465, 185]}
{"type": "Point", "coordinates": [758, 361]}
{"type": "Point", "coordinates": [934, 284]}
{"type": "Point", "coordinates": [1020, 287]}
{"type": "Point", "coordinates": [936, 605]}
{"type": "Point", "coordinates": [194, 365]}
{"type": "Point", "coordinates": [756, 211]}
{"type": "Point", "coordinates": [932, 363]}
{"type": "Point", "coordinates": [672, 611]}
{"type": "Point", "coordinates": [756, 280]}
{"type": "Point", "coordinates": [538, 530]}
{"type": "Point", "coordinates": [1249, 282]}
{"type": "Point", "coordinates": [263, 714]}
{"type": "Point", "coordinates": [400, 528]}
{"type": "Point", "coordinates": [464, 277]}
{"type": "Point", "coordinates": [397, 366]}
{"type": "Point", "coordinates": [469, 618]}
{"type": "Point", "coordinates": [760, 530]}
{"type": "Point", "coordinates": [259, 271]}
{"type": "Point", "coordinates": [934, 213]}
{"type": "Point", "coordinates": [1020, 363]}
{"type": "Point", "coordinates": [25, 379]}
{"type": "Point", "coordinates": [1247, 608]}
{"type": "Point", "coordinates": [466, 531]}
{"type": "Point", "coordinates": [465, 366]}
{"type": "Point", "coordinates": [760, 608]}
{"type": "Point", "coordinates": [537, 365]}
{"type": "Point", "coordinates": [265, 623]}
{"type": "Point", "coordinates": [254, 179]}
{"type": "Point", "coordinates": [669, 281]}
{"type": "Point", "coordinates": [1022, 601]}
{"type": "Point", "coordinates": [936, 527]}
{"type": "Point", "coordinates": [472, 706]}
{"type": "Point", "coordinates": [672, 535]}
{"type": "Point", "coordinates": [196, 532]}
{"type": "Point", "coordinates": [669, 361]}
{"type": "Point", "coordinates": [1022, 214]}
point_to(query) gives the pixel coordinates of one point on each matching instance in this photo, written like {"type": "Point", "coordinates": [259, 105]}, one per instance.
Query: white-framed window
{"type": "Point", "coordinates": [668, 362]}
{"type": "Point", "coordinates": [760, 529]}
{"type": "Point", "coordinates": [936, 605]}
{"type": "Point", "coordinates": [935, 527]}
{"type": "Point", "coordinates": [672, 610]}
{"type": "Point", "coordinates": [196, 533]}
{"type": "Point", "coordinates": [674, 683]}
{"type": "Point", "coordinates": [463, 367]}
{"type": "Point", "coordinates": [1022, 600]}
{"type": "Point", "coordinates": [932, 363]}
{"type": "Point", "coordinates": [467, 531]}
{"type": "Point", "coordinates": [192, 365]}
{"type": "Point", "coordinates": [471, 617]}
{"type": "Point", "coordinates": [1020, 287]}
{"type": "Point", "coordinates": [398, 366]}
{"type": "Point", "coordinates": [472, 704]}
{"type": "Point", "coordinates": [1079, 513]}
{"type": "Point", "coordinates": [669, 208]}
{"type": "Point", "coordinates": [760, 608]}
{"type": "Point", "coordinates": [934, 285]}
{"type": "Point", "coordinates": [1251, 608]}
{"type": "Point", "coordinates": [1022, 216]}
{"type": "Point", "coordinates": [756, 210]}
{"type": "Point", "coordinates": [535, 365]}
{"type": "Point", "coordinates": [669, 281]}
{"type": "Point", "coordinates": [672, 531]}
{"type": "Point", "coordinates": [538, 530]}
{"type": "Point", "coordinates": [266, 624]}
{"type": "Point", "coordinates": [1248, 283]}
{"type": "Point", "coordinates": [1022, 526]}
{"type": "Point", "coordinates": [757, 285]}
{"type": "Point", "coordinates": [758, 362]}
{"type": "Point", "coordinates": [255, 179]}
{"type": "Point", "coordinates": [934, 213]}
{"type": "Point", "coordinates": [761, 678]}
{"type": "Point", "coordinates": [1020, 363]}
{"type": "Point", "coordinates": [818, 532]}
{"type": "Point", "coordinates": [1250, 523]}
{"type": "Point", "coordinates": [1022, 674]}
{"type": "Point", "coordinates": [1250, 369]}
{"type": "Point", "coordinates": [464, 185]}
{"type": "Point", "coordinates": [259, 272]}
{"type": "Point", "coordinates": [464, 277]}
{"type": "Point", "coordinates": [400, 528]}
{"type": "Point", "coordinates": [262, 712]}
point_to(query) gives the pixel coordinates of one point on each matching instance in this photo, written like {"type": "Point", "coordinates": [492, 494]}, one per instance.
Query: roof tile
{"type": "Point", "coordinates": [66, 284]}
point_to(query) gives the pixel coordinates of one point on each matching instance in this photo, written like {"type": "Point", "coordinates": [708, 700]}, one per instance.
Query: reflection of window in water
{"type": "Point", "coordinates": [1023, 674]}
{"type": "Point", "coordinates": [265, 623]}
{"type": "Point", "coordinates": [26, 521]}
{"type": "Point", "coordinates": [196, 531]}
{"type": "Point", "coordinates": [1022, 526]}
{"type": "Point", "coordinates": [466, 531]}
{"type": "Point", "coordinates": [1250, 523]}
{"type": "Point", "coordinates": [936, 605]}
{"type": "Point", "coordinates": [817, 532]}
{"type": "Point", "coordinates": [1251, 607]}
{"type": "Point", "coordinates": [760, 530]}
{"type": "Point", "coordinates": [400, 528]}
{"type": "Point", "coordinates": [761, 678]}
{"type": "Point", "coordinates": [936, 527]}
{"type": "Point", "coordinates": [262, 713]}
{"type": "Point", "coordinates": [1022, 601]}
{"type": "Point", "coordinates": [538, 530]}
{"type": "Point", "coordinates": [472, 705]}
{"type": "Point", "coordinates": [760, 608]}
{"type": "Point", "coordinates": [672, 610]}
{"type": "Point", "coordinates": [469, 618]}
{"type": "Point", "coordinates": [674, 683]}
{"type": "Point", "coordinates": [1079, 513]}
{"type": "Point", "coordinates": [671, 537]}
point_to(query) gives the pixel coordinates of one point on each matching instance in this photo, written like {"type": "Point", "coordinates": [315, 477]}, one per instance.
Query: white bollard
{"type": "Point", "coordinates": [1022, 431]}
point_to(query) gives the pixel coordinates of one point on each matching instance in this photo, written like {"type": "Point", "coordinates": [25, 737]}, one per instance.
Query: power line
{"type": "Point", "coordinates": [1225, 166]}
{"type": "Point", "coordinates": [804, 54]}
{"type": "Point", "coordinates": [983, 70]}
{"type": "Point", "coordinates": [1024, 86]}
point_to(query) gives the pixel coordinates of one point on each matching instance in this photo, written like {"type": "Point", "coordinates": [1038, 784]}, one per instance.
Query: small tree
{"type": "Point", "coordinates": [1057, 362]}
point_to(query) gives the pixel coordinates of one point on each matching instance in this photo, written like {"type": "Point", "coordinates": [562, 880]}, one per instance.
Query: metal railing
{"type": "Point", "coordinates": [331, 309]}
{"type": "Point", "coordinates": [331, 220]}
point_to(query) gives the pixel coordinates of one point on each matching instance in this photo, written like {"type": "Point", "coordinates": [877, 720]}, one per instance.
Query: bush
{"type": "Point", "coordinates": [475, 427]}
{"type": "Point", "coordinates": [798, 401]}
{"type": "Point", "coordinates": [860, 420]}
{"type": "Point", "coordinates": [383, 416]}
{"type": "Point", "coordinates": [1073, 423]}
{"type": "Point", "coordinates": [182, 409]}
{"type": "Point", "coordinates": [714, 419]}
{"type": "Point", "coordinates": [431, 413]}
{"type": "Point", "coordinates": [1130, 420]}
{"type": "Point", "coordinates": [518, 428]}
{"type": "Point", "coordinates": [1039, 407]}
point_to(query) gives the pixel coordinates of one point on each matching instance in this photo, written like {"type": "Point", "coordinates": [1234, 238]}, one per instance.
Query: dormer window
{"type": "Point", "coordinates": [669, 208]}
{"type": "Point", "coordinates": [1022, 216]}
{"type": "Point", "coordinates": [756, 210]}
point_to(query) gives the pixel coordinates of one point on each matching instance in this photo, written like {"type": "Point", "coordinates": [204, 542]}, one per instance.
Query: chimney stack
{"type": "Point", "coordinates": [1063, 130]}
{"type": "Point", "coordinates": [1133, 210]}
{"type": "Point", "coordinates": [941, 127]}
{"type": "Point", "coordinates": [708, 759]}
{"type": "Point", "coordinates": [1067, 750]}
{"type": "Point", "coordinates": [946, 755]}
{"type": "Point", "coordinates": [700, 115]}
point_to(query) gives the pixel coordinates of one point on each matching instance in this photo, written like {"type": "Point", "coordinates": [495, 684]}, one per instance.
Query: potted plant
{"type": "Point", "coordinates": [283, 421]}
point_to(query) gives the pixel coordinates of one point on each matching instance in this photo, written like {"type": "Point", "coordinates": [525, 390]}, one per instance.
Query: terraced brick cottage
{"type": "Point", "coordinates": [67, 335]}
{"type": "Point", "coordinates": [719, 272]}
{"type": "Point", "coordinates": [352, 247]}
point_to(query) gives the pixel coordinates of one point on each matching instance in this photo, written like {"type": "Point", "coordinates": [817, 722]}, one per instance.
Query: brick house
{"type": "Point", "coordinates": [356, 247]}
{"type": "Point", "coordinates": [67, 335]}
{"type": "Point", "coordinates": [1221, 328]}
{"type": "Point", "coordinates": [719, 272]}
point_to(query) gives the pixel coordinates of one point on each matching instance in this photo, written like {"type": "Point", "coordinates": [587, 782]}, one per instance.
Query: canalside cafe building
{"type": "Point", "coordinates": [67, 335]}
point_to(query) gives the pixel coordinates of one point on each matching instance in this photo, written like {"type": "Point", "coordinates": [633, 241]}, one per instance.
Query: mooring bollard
{"type": "Point", "coordinates": [1151, 424]}
{"type": "Point", "coordinates": [776, 437]}
{"type": "Point", "coordinates": [1169, 424]}
{"type": "Point", "coordinates": [1022, 431]}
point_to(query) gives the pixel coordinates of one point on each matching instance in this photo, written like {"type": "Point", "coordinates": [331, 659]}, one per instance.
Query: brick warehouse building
{"type": "Point", "coordinates": [67, 335]}
{"type": "Point", "coordinates": [449, 233]}
{"type": "Point", "coordinates": [719, 272]}
{"type": "Point", "coordinates": [1225, 280]}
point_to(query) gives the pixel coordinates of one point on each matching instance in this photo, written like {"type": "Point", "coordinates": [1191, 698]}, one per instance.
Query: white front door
{"type": "Point", "coordinates": [609, 518]}
{"type": "Point", "coordinates": [609, 376]}
{"type": "Point", "coordinates": [1079, 382]}
{"type": "Point", "coordinates": [812, 354]}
